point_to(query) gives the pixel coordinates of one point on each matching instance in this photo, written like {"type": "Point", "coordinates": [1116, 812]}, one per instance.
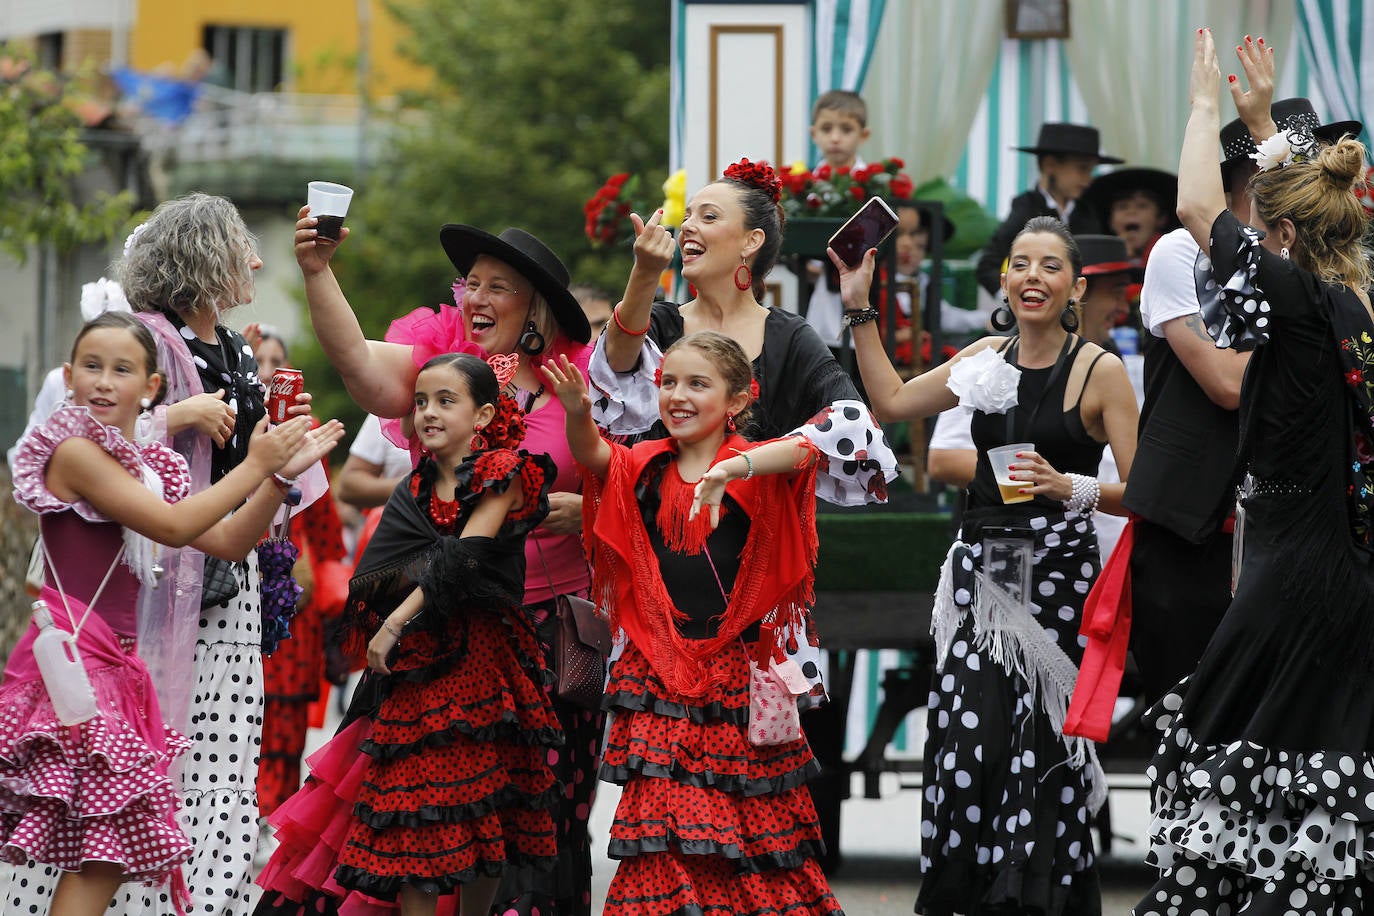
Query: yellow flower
{"type": "Point", "coordinates": [797, 168]}
{"type": "Point", "coordinates": [1364, 335]}
{"type": "Point", "coordinates": [674, 198]}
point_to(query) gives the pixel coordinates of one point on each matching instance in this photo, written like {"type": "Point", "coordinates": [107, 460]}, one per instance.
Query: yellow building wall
{"type": "Point", "coordinates": [322, 40]}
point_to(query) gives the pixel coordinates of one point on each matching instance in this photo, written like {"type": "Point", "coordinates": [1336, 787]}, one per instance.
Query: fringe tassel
{"type": "Point", "coordinates": [1011, 636]}
{"type": "Point", "coordinates": [944, 619]}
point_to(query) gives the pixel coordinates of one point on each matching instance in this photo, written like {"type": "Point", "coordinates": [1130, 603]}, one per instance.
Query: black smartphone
{"type": "Point", "coordinates": [864, 230]}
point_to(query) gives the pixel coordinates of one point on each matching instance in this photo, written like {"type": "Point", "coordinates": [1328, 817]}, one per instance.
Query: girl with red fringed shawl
{"type": "Point", "coordinates": [703, 550]}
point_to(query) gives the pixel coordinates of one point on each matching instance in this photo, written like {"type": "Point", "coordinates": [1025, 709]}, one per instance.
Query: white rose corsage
{"type": "Point", "coordinates": [1284, 148]}
{"type": "Point", "coordinates": [985, 381]}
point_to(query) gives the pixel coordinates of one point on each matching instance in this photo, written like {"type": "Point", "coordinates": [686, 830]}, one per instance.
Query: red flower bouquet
{"type": "Point", "coordinates": [827, 192]}
{"type": "Point", "coordinates": [608, 211]}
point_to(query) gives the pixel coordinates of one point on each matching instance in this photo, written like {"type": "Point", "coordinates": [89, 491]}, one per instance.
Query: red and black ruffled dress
{"type": "Point", "coordinates": [447, 779]}
{"type": "Point", "coordinates": [707, 823]}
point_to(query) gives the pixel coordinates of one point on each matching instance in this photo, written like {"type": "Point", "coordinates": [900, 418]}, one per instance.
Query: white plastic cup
{"type": "Point", "coordinates": [329, 204]}
{"type": "Point", "coordinates": [1001, 459]}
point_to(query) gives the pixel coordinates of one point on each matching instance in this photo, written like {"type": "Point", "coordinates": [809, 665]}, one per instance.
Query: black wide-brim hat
{"type": "Point", "coordinates": [1103, 254]}
{"type": "Point", "coordinates": [1056, 139]}
{"type": "Point", "coordinates": [532, 258]}
{"type": "Point", "coordinates": [1237, 145]}
{"type": "Point", "coordinates": [947, 226]}
{"type": "Point", "coordinates": [1105, 189]}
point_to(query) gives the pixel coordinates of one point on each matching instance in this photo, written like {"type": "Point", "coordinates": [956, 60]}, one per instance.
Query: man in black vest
{"type": "Point", "coordinates": [1066, 155]}
{"type": "Point", "coordinates": [1182, 482]}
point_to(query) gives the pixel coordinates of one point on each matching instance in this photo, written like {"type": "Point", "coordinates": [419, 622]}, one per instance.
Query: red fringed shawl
{"type": "Point", "coordinates": [776, 572]}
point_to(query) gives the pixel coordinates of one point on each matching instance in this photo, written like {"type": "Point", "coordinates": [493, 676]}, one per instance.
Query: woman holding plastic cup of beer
{"type": "Point", "coordinates": [1009, 798]}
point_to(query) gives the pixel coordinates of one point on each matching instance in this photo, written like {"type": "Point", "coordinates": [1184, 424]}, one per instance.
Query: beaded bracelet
{"type": "Point", "coordinates": [749, 462]}
{"type": "Point", "coordinates": [854, 318]}
{"type": "Point", "coordinates": [1086, 493]}
{"type": "Point", "coordinates": [615, 316]}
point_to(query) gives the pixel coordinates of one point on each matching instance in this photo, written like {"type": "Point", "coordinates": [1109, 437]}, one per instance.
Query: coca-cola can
{"type": "Point", "coordinates": [286, 384]}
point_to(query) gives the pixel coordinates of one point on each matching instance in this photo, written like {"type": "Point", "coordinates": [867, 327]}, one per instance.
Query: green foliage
{"type": "Point", "coordinates": [40, 153]}
{"type": "Point", "coordinates": [533, 104]}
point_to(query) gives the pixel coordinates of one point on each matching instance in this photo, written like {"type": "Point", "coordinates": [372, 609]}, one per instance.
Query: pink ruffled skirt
{"type": "Point", "coordinates": [94, 792]}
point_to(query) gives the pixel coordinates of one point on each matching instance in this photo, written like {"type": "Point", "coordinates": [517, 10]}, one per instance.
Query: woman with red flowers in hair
{"type": "Point", "coordinates": [730, 237]}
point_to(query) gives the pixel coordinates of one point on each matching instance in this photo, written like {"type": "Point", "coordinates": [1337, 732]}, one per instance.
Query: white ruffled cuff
{"type": "Point", "coordinates": [624, 403]}
{"type": "Point", "coordinates": [857, 463]}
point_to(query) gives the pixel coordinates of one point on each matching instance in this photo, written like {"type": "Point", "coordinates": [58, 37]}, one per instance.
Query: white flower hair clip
{"type": "Point", "coordinates": [985, 381]}
{"type": "Point", "coordinates": [1284, 148]}
{"type": "Point", "coordinates": [133, 237]}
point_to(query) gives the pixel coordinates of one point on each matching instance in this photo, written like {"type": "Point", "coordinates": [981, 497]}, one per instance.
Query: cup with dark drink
{"type": "Point", "coordinates": [329, 205]}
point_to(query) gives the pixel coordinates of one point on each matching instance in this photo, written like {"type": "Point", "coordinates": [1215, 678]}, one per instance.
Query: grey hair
{"type": "Point", "coordinates": [192, 254]}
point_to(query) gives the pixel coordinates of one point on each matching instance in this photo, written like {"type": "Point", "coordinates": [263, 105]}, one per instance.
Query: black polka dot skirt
{"type": "Point", "coordinates": [1240, 828]}
{"type": "Point", "coordinates": [1005, 814]}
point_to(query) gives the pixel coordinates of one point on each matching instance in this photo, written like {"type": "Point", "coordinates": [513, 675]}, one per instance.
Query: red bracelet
{"type": "Point", "coordinates": [615, 316]}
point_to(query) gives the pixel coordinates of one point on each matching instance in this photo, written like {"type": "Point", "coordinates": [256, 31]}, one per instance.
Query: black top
{"type": "Point", "coordinates": [229, 364]}
{"type": "Point", "coordinates": [798, 376]}
{"type": "Point", "coordinates": [1185, 470]}
{"type": "Point", "coordinates": [1058, 433]}
{"type": "Point", "coordinates": [1291, 663]}
{"type": "Point", "coordinates": [1083, 221]}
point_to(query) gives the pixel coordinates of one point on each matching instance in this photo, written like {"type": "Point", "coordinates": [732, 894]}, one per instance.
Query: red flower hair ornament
{"type": "Point", "coordinates": [757, 175]}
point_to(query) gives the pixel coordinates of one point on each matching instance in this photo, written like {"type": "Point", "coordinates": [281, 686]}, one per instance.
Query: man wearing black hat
{"type": "Point", "coordinates": [1182, 480]}
{"type": "Point", "coordinates": [1066, 155]}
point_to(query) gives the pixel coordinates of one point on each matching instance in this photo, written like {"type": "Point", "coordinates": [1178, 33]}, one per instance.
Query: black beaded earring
{"type": "Point", "coordinates": [1002, 318]}
{"type": "Point", "coordinates": [1068, 319]}
{"type": "Point", "coordinates": [531, 342]}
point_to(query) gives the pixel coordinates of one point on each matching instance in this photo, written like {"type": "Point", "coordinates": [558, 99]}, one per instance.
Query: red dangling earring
{"type": "Point", "coordinates": [730, 422]}
{"type": "Point", "coordinates": [748, 280]}
{"type": "Point", "coordinates": [479, 441]}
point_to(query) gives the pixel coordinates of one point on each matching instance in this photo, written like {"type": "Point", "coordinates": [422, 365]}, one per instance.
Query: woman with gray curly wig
{"type": "Point", "coordinates": [182, 270]}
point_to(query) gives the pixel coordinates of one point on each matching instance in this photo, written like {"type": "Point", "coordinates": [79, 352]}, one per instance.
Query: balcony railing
{"type": "Point", "coordinates": [259, 145]}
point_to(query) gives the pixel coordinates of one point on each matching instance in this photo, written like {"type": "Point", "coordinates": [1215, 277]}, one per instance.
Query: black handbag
{"type": "Point", "coordinates": [219, 583]}
{"type": "Point", "coordinates": [581, 644]}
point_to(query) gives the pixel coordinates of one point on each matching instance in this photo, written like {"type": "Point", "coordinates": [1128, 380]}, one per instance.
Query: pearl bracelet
{"type": "Point", "coordinates": [1086, 493]}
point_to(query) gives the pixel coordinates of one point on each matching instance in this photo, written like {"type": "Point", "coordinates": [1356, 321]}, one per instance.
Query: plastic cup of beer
{"type": "Point", "coordinates": [1002, 458]}
{"type": "Point", "coordinates": [329, 204]}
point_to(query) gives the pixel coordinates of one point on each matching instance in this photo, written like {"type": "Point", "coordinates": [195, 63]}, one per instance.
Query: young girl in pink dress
{"type": "Point", "coordinates": [94, 798]}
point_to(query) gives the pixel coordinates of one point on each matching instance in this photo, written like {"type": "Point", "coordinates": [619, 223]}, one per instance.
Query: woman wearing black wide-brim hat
{"type": "Point", "coordinates": [511, 299]}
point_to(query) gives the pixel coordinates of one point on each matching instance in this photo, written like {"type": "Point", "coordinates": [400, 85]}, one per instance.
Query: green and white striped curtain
{"type": "Point", "coordinates": [1337, 39]}
{"type": "Point", "coordinates": [1031, 84]}
{"type": "Point", "coordinates": [843, 34]}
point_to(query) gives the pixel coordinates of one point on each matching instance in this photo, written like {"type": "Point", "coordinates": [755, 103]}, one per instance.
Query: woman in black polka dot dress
{"type": "Point", "coordinates": [1264, 778]}
{"type": "Point", "coordinates": [1008, 798]}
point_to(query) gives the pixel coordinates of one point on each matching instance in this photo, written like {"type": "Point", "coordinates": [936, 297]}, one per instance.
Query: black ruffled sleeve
{"type": "Point", "coordinates": [487, 573]}
{"type": "Point", "coordinates": [1257, 286]}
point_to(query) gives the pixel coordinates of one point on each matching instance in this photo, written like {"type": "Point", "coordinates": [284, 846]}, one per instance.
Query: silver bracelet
{"type": "Point", "coordinates": [386, 625]}
{"type": "Point", "coordinates": [1086, 494]}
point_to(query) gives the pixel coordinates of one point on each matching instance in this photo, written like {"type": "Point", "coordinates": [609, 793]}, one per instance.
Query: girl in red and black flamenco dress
{"type": "Point", "coordinates": [703, 551]}
{"type": "Point", "coordinates": [444, 782]}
